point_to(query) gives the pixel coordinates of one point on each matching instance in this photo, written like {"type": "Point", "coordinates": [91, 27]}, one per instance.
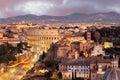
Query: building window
{"type": "Point", "coordinates": [55, 38]}
{"type": "Point", "coordinates": [69, 75]}
{"type": "Point", "coordinates": [65, 76]}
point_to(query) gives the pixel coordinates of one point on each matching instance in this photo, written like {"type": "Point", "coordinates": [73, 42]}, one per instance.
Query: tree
{"type": "Point", "coordinates": [117, 31]}
{"type": "Point", "coordinates": [43, 55]}
{"type": "Point", "coordinates": [79, 78]}
{"type": "Point", "coordinates": [39, 65]}
{"type": "Point", "coordinates": [6, 58]}
{"type": "Point", "coordinates": [3, 59]}
{"type": "Point", "coordinates": [55, 74]}
{"type": "Point", "coordinates": [119, 63]}
{"type": "Point", "coordinates": [97, 36]}
{"type": "Point", "coordinates": [59, 75]}
{"type": "Point", "coordinates": [10, 57]}
{"type": "Point", "coordinates": [81, 54]}
{"type": "Point", "coordinates": [4, 49]}
{"type": "Point", "coordinates": [19, 47]}
{"type": "Point", "coordinates": [51, 63]}
{"type": "Point", "coordinates": [48, 74]}
{"type": "Point", "coordinates": [31, 71]}
{"type": "Point", "coordinates": [7, 53]}
{"type": "Point", "coordinates": [116, 43]}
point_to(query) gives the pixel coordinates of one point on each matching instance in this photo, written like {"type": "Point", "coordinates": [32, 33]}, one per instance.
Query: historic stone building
{"type": "Point", "coordinates": [113, 73]}
{"type": "Point", "coordinates": [41, 39]}
{"type": "Point", "coordinates": [88, 36]}
{"type": "Point", "coordinates": [86, 47]}
{"type": "Point", "coordinates": [74, 68]}
{"type": "Point", "coordinates": [98, 50]}
{"type": "Point", "coordinates": [59, 49]}
{"type": "Point", "coordinates": [71, 47]}
{"type": "Point", "coordinates": [75, 38]}
{"type": "Point", "coordinates": [92, 68]}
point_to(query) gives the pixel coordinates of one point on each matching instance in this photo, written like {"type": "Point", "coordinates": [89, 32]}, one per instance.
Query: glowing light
{"type": "Point", "coordinates": [108, 44]}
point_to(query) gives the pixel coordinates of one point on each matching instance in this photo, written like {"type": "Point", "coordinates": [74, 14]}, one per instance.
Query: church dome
{"type": "Point", "coordinates": [112, 74]}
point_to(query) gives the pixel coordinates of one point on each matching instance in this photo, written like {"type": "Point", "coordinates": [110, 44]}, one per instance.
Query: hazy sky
{"type": "Point", "coordinates": [56, 7]}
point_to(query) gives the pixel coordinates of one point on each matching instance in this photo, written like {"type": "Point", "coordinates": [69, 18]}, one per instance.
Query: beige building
{"type": "Point", "coordinates": [98, 66]}
{"type": "Point", "coordinates": [41, 39]}
{"type": "Point", "coordinates": [24, 25]}
{"type": "Point", "coordinates": [98, 50]}
{"type": "Point", "coordinates": [88, 36]}
{"type": "Point", "coordinates": [1, 35]}
{"type": "Point", "coordinates": [74, 68]}
{"type": "Point", "coordinates": [12, 41]}
{"type": "Point", "coordinates": [70, 47]}
{"type": "Point", "coordinates": [76, 38]}
{"type": "Point", "coordinates": [86, 47]}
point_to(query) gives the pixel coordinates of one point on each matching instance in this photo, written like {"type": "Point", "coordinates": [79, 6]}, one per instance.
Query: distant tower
{"type": "Point", "coordinates": [88, 36]}
{"type": "Point", "coordinates": [114, 64]}
{"type": "Point", "coordinates": [76, 55]}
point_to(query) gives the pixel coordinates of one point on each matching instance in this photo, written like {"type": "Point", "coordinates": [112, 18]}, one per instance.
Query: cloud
{"type": "Point", "coordinates": [56, 7]}
{"type": "Point", "coordinates": [7, 7]}
{"type": "Point", "coordinates": [38, 8]}
{"type": "Point", "coordinates": [87, 6]}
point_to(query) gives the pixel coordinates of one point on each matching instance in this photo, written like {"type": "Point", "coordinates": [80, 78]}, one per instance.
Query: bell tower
{"type": "Point", "coordinates": [88, 36]}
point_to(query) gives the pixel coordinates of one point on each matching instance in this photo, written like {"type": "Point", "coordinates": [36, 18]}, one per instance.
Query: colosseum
{"type": "Point", "coordinates": [41, 39]}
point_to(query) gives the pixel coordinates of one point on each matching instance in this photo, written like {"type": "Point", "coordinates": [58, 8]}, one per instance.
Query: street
{"type": "Point", "coordinates": [17, 71]}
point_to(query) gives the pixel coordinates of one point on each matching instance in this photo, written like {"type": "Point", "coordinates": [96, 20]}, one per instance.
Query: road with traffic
{"type": "Point", "coordinates": [18, 70]}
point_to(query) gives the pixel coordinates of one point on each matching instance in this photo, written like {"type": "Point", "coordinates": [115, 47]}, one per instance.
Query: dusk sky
{"type": "Point", "coordinates": [10, 8]}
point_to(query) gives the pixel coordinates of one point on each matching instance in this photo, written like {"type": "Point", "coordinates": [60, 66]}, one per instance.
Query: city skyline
{"type": "Point", "coordinates": [11, 8]}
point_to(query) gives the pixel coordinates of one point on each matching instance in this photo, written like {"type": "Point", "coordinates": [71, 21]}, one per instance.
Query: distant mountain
{"type": "Point", "coordinates": [72, 18]}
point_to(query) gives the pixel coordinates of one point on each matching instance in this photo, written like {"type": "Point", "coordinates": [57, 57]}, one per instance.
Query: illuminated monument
{"type": "Point", "coordinates": [41, 39]}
